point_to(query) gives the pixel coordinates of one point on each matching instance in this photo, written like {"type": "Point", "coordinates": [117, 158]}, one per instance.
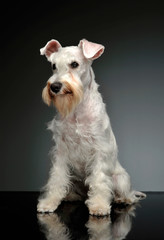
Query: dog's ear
{"type": "Point", "coordinates": [51, 47]}
{"type": "Point", "coordinates": [91, 50]}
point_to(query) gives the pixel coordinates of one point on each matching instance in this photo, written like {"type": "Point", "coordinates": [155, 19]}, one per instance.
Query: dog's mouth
{"type": "Point", "coordinates": [60, 93]}
{"type": "Point", "coordinates": [67, 92]}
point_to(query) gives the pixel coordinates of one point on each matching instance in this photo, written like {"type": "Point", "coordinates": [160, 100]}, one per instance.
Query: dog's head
{"type": "Point", "coordinates": [71, 75]}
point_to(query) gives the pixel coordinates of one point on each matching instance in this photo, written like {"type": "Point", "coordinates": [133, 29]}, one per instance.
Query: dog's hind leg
{"type": "Point", "coordinates": [122, 187]}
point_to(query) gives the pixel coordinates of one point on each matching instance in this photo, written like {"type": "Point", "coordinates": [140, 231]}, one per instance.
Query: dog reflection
{"type": "Point", "coordinates": [115, 228]}
{"type": "Point", "coordinates": [71, 224]}
{"type": "Point", "coordinates": [52, 227]}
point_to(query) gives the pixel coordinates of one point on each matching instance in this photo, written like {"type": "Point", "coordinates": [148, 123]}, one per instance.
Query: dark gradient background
{"type": "Point", "coordinates": [130, 74]}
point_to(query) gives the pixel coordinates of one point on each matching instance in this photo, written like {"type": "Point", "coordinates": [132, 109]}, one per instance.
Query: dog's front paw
{"type": "Point", "coordinates": [98, 209]}
{"type": "Point", "coordinates": [46, 205]}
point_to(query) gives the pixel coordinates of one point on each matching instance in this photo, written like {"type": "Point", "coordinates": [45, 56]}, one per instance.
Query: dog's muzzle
{"type": "Point", "coordinates": [56, 87]}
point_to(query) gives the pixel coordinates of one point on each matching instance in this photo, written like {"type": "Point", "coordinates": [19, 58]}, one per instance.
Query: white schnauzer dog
{"type": "Point", "coordinates": [84, 159]}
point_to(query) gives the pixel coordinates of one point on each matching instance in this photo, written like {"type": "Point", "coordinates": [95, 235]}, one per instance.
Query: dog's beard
{"type": "Point", "coordinates": [68, 98]}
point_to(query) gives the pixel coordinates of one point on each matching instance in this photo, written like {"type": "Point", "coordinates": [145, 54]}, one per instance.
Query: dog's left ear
{"type": "Point", "coordinates": [91, 50]}
{"type": "Point", "coordinates": [51, 47]}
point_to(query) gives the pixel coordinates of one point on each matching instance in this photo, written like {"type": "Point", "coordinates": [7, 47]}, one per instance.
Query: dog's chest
{"type": "Point", "coordinates": [77, 132]}
{"type": "Point", "coordinates": [77, 135]}
{"type": "Point", "coordinates": [78, 140]}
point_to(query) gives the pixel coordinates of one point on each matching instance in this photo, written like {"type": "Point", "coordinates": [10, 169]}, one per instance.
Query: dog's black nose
{"type": "Point", "coordinates": [55, 87]}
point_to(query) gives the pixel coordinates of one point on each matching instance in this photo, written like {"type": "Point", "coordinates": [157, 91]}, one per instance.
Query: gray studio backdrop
{"type": "Point", "coordinates": [130, 74]}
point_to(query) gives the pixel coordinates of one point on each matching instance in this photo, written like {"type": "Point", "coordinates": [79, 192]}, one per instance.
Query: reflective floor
{"type": "Point", "coordinates": [19, 220]}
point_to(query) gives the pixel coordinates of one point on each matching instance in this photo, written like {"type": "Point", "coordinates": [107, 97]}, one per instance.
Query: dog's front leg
{"type": "Point", "coordinates": [100, 188]}
{"type": "Point", "coordinates": [56, 188]}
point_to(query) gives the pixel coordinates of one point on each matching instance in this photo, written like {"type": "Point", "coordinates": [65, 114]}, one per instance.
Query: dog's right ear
{"type": "Point", "coordinates": [51, 47]}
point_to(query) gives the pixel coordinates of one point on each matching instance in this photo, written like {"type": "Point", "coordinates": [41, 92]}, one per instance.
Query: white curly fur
{"type": "Point", "coordinates": [84, 159]}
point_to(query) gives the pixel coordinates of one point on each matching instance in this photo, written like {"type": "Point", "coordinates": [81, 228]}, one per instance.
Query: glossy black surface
{"type": "Point", "coordinates": [19, 220]}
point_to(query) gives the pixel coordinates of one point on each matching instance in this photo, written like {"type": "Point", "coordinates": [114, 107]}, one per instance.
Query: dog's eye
{"type": "Point", "coordinates": [74, 65]}
{"type": "Point", "coordinates": [54, 66]}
